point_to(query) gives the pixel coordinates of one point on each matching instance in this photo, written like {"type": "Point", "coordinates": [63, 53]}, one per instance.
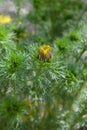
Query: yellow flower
{"type": "Point", "coordinates": [5, 19]}
{"type": "Point", "coordinates": [45, 52]}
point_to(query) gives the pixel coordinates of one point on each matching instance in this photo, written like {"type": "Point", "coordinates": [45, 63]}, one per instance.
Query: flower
{"type": "Point", "coordinates": [5, 19]}
{"type": "Point", "coordinates": [45, 52]}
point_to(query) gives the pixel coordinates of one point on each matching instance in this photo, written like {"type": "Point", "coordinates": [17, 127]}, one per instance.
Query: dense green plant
{"type": "Point", "coordinates": [43, 82]}
{"type": "Point", "coordinates": [55, 17]}
{"type": "Point", "coordinates": [42, 86]}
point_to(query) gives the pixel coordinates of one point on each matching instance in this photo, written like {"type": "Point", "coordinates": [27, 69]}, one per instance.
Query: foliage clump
{"type": "Point", "coordinates": [43, 76]}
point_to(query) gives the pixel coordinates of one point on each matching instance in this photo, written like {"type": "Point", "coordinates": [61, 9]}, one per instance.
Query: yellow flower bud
{"type": "Point", "coordinates": [45, 52]}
